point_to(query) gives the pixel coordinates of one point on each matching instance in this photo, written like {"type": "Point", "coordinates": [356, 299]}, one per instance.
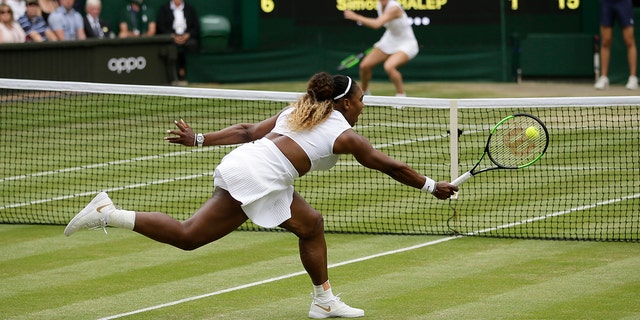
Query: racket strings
{"type": "Point", "coordinates": [512, 146]}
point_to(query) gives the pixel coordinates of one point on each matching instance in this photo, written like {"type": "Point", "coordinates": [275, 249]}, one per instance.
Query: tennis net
{"type": "Point", "coordinates": [63, 142]}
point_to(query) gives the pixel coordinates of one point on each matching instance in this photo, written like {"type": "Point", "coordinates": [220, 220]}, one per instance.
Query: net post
{"type": "Point", "coordinates": [453, 141]}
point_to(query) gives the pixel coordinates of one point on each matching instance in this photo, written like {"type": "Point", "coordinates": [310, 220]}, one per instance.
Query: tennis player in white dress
{"type": "Point", "coordinates": [255, 181]}
{"type": "Point", "coordinates": [397, 46]}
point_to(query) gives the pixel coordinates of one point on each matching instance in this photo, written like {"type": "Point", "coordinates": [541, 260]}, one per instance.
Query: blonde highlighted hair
{"type": "Point", "coordinates": [317, 104]}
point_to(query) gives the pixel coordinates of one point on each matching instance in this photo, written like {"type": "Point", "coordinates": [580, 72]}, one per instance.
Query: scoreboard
{"type": "Point", "coordinates": [538, 6]}
{"type": "Point", "coordinates": [421, 12]}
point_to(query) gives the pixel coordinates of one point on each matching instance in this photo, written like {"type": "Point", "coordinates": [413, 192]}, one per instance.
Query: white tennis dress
{"type": "Point", "coordinates": [399, 35]}
{"type": "Point", "coordinates": [259, 175]}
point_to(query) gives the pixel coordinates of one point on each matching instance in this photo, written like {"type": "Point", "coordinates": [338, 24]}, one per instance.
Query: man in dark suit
{"type": "Point", "coordinates": [180, 20]}
{"type": "Point", "coordinates": [94, 26]}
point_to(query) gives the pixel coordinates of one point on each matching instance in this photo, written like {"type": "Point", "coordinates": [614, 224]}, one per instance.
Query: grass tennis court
{"type": "Point", "coordinates": [92, 275]}
{"type": "Point", "coordinates": [257, 275]}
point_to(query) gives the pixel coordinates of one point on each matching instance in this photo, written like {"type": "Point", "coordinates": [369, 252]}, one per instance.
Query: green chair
{"type": "Point", "coordinates": [214, 33]}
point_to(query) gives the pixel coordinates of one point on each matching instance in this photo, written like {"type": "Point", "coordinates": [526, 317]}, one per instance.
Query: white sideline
{"type": "Point", "coordinates": [105, 164]}
{"type": "Point", "coordinates": [386, 253]}
{"type": "Point", "coordinates": [286, 276]}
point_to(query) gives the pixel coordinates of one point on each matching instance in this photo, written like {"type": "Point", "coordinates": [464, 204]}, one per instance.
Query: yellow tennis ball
{"type": "Point", "coordinates": [532, 133]}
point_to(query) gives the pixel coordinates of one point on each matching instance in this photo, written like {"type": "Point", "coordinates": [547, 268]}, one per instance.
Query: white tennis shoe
{"type": "Point", "coordinates": [602, 83]}
{"type": "Point", "coordinates": [333, 308]}
{"type": "Point", "coordinates": [632, 83]}
{"type": "Point", "coordinates": [94, 216]}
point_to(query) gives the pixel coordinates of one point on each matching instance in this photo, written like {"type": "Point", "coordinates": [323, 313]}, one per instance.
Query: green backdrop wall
{"type": "Point", "coordinates": [467, 40]}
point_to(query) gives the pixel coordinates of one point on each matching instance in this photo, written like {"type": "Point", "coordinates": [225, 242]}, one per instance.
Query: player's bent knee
{"type": "Point", "coordinates": [189, 240]}
{"type": "Point", "coordinates": [314, 227]}
{"type": "Point", "coordinates": [367, 65]}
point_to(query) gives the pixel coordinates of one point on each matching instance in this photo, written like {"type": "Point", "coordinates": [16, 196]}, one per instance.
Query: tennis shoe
{"type": "Point", "coordinates": [602, 83]}
{"type": "Point", "coordinates": [334, 308]}
{"type": "Point", "coordinates": [94, 216]}
{"type": "Point", "coordinates": [632, 83]}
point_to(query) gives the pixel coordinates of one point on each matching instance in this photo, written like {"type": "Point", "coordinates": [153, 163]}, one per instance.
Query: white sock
{"type": "Point", "coordinates": [323, 292]}
{"type": "Point", "coordinates": [122, 219]}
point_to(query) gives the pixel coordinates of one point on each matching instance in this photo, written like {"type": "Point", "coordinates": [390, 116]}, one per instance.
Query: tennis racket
{"type": "Point", "coordinates": [515, 142]}
{"type": "Point", "coordinates": [353, 60]}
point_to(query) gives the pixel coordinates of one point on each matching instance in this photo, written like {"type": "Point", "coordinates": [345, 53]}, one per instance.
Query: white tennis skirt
{"type": "Point", "coordinates": [259, 176]}
{"type": "Point", "coordinates": [390, 45]}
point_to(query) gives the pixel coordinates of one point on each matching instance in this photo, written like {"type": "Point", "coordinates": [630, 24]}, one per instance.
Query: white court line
{"type": "Point", "coordinates": [555, 214]}
{"type": "Point", "coordinates": [382, 254]}
{"type": "Point", "coordinates": [89, 193]}
{"type": "Point", "coordinates": [105, 164]}
{"type": "Point", "coordinates": [286, 276]}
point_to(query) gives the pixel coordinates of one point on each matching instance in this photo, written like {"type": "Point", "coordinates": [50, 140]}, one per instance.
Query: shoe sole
{"type": "Point", "coordinates": [71, 228]}
{"type": "Point", "coordinates": [315, 315]}
{"type": "Point", "coordinates": [324, 315]}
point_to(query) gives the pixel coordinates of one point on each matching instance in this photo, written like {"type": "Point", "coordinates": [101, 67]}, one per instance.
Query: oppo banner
{"type": "Point", "coordinates": [127, 65]}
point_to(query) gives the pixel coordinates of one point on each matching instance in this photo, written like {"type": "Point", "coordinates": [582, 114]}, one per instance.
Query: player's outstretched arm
{"type": "Point", "coordinates": [360, 147]}
{"type": "Point", "coordinates": [374, 23]}
{"type": "Point", "coordinates": [237, 133]}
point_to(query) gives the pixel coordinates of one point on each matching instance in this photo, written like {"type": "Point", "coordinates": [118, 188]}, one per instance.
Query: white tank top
{"type": "Point", "coordinates": [318, 142]}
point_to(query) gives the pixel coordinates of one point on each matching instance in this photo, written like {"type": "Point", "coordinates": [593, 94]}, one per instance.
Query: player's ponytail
{"type": "Point", "coordinates": [315, 106]}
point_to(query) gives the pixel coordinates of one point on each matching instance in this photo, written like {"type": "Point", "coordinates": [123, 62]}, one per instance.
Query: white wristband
{"type": "Point", "coordinates": [429, 185]}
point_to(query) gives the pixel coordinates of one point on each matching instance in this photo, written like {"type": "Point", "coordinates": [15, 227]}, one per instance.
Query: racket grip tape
{"type": "Point", "coordinates": [459, 180]}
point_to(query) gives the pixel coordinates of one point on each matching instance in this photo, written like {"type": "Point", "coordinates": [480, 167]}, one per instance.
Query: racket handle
{"type": "Point", "coordinates": [459, 180]}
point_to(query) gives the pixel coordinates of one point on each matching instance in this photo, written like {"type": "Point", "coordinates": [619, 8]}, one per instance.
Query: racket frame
{"type": "Point", "coordinates": [467, 175]}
